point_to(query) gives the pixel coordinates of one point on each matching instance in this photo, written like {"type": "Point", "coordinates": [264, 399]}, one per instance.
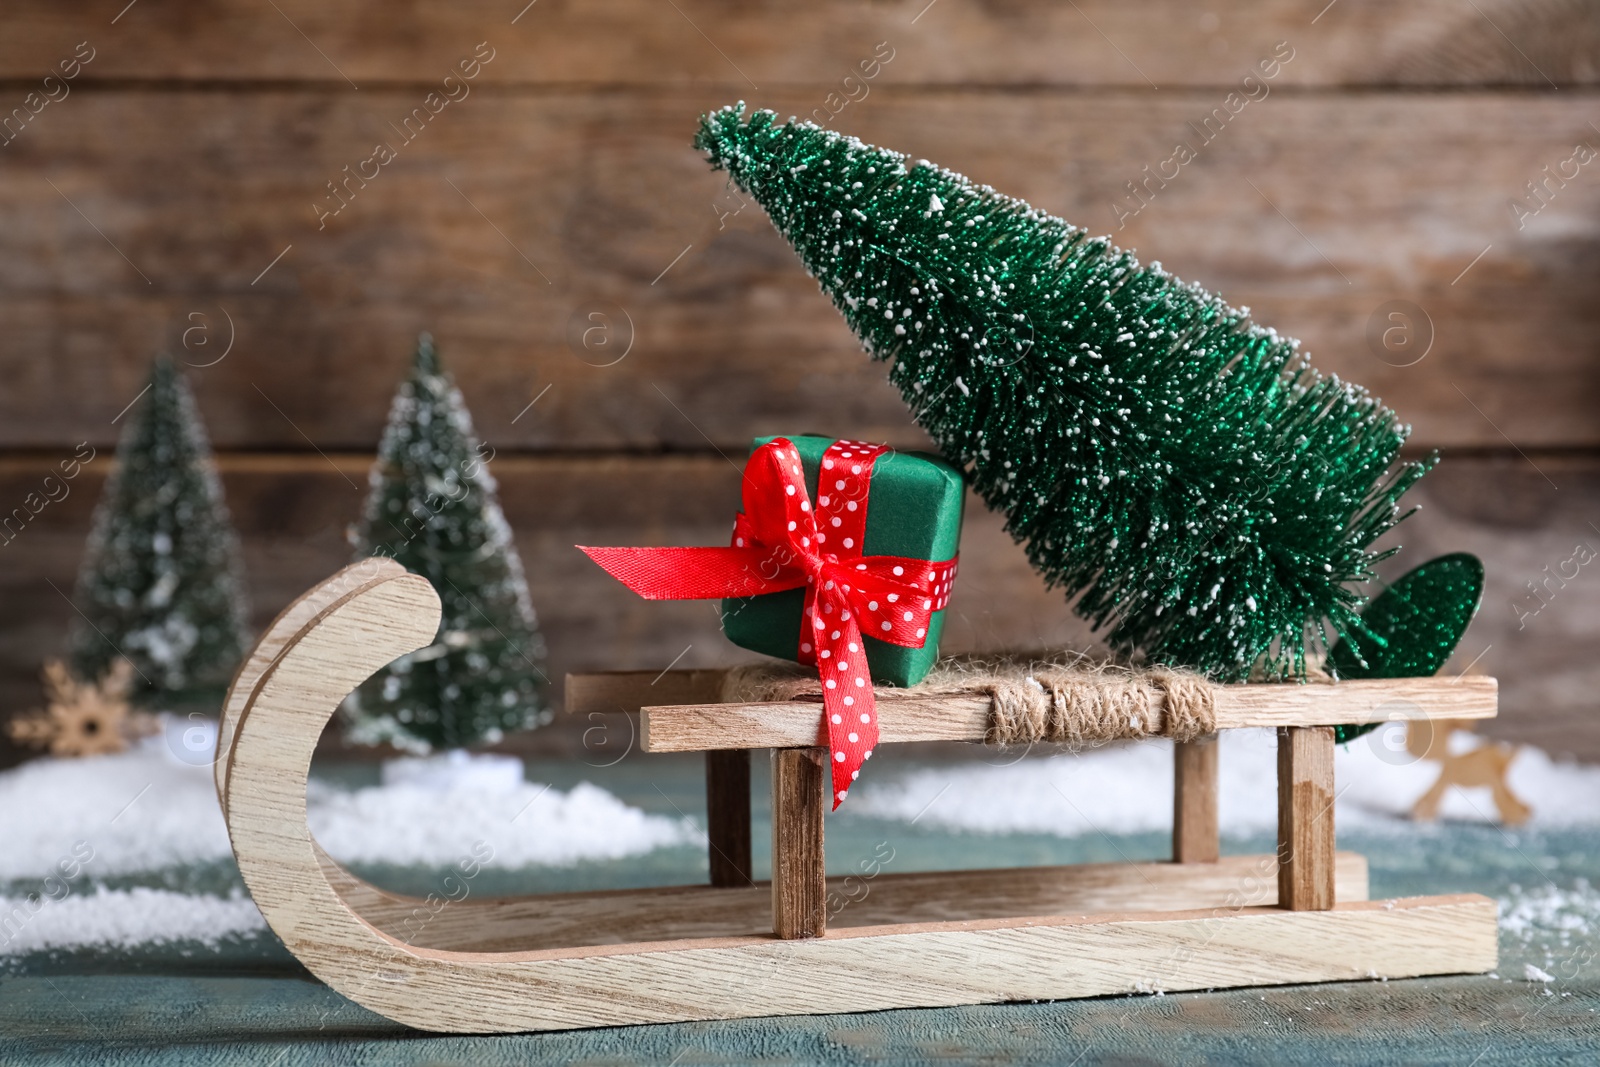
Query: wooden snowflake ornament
{"type": "Point", "coordinates": [84, 718]}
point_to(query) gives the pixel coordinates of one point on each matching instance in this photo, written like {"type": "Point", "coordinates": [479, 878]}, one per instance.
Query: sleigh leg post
{"type": "Point", "coordinates": [799, 886]}
{"type": "Point", "coordinates": [728, 816]}
{"type": "Point", "coordinates": [1194, 801]}
{"type": "Point", "coordinates": [1305, 818]}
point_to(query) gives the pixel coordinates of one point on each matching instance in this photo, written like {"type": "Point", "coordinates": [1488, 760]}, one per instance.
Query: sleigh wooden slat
{"type": "Point", "coordinates": [673, 913]}
{"type": "Point", "coordinates": [905, 715]}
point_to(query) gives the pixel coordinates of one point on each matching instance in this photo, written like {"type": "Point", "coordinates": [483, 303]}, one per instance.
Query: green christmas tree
{"type": "Point", "coordinates": [1182, 471]}
{"type": "Point", "coordinates": [433, 509]}
{"type": "Point", "coordinates": [160, 582]}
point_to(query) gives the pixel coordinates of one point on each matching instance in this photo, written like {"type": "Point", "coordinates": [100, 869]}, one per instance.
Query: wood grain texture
{"type": "Point", "coordinates": [909, 716]}
{"type": "Point", "coordinates": [799, 871]}
{"type": "Point", "coordinates": [614, 917]}
{"type": "Point", "coordinates": [728, 818]}
{"type": "Point", "coordinates": [875, 968]}
{"type": "Point", "coordinates": [300, 613]}
{"type": "Point", "coordinates": [606, 692]}
{"type": "Point", "coordinates": [595, 195]}
{"type": "Point", "coordinates": [1025, 43]}
{"type": "Point", "coordinates": [1305, 818]}
{"type": "Point", "coordinates": [1195, 836]}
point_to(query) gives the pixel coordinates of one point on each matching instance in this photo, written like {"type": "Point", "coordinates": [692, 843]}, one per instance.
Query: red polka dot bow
{"type": "Point", "coordinates": [781, 542]}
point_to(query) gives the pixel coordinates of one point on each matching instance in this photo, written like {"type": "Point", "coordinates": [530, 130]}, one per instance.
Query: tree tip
{"type": "Point", "coordinates": [165, 374]}
{"type": "Point", "coordinates": [725, 131]}
{"type": "Point", "coordinates": [715, 129]}
{"type": "Point", "coordinates": [427, 357]}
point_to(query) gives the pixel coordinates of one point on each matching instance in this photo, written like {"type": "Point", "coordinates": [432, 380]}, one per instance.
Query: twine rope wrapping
{"type": "Point", "coordinates": [1076, 702]}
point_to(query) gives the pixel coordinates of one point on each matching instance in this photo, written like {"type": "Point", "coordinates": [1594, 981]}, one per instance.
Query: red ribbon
{"type": "Point", "coordinates": [781, 542]}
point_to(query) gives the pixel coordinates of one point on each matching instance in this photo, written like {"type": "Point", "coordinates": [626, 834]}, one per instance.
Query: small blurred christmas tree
{"type": "Point", "coordinates": [433, 510]}
{"type": "Point", "coordinates": [161, 580]}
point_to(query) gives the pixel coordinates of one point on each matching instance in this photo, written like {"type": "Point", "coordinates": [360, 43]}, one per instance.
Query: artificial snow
{"type": "Point", "coordinates": [455, 769]}
{"type": "Point", "coordinates": [532, 824]}
{"type": "Point", "coordinates": [122, 918]}
{"type": "Point", "coordinates": [137, 810]}
{"type": "Point", "coordinates": [145, 810]}
{"type": "Point", "coordinates": [1551, 911]}
{"type": "Point", "coordinates": [1127, 788]}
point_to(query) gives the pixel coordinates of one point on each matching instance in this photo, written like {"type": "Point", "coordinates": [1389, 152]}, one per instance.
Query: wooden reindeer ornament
{"type": "Point", "coordinates": [1484, 765]}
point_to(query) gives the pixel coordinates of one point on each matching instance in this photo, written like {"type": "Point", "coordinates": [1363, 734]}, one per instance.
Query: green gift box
{"type": "Point", "coordinates": [913, 509]}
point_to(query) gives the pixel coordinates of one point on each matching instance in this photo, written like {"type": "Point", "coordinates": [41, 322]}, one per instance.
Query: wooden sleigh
{"type": "Point", "coordinates": [736, 948]}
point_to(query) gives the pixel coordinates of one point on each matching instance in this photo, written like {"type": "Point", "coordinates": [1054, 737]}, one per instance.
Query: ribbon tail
{"type": "Point", "coordinates": [696, 573]}
{"type": "Point", "coordinates": [849, 711]}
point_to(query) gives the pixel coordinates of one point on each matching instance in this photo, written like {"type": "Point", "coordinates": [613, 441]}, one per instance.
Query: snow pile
{"type": "Point", "coordinates": [138, 810]}
{"type": "Point", "coordinates": [529, 824]}
{"type": "Point", "coordinates": [1127, 788]}
{"type": "Point", "coordinates": [122, 918]}
{"type": "Point", "coordinates": [144, 810]}
{"type": "Point", "coordinates": [455, 769]}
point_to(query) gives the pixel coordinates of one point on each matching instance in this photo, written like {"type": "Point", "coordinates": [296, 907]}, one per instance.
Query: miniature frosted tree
{"type": "Point", "coordinates": [160, 582]}
{"type": "Point", "coordinates": [1184, 472]}
{"type": "Point", "coordinates": [433, 509]}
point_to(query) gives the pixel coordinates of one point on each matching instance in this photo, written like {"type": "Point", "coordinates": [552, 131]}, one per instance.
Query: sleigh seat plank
{"type": "Point", "coordinates": [905, 716]}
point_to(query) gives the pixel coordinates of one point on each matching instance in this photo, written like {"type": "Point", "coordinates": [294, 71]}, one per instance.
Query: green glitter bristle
{"type": "Point", "coordinates": [1182, 471]}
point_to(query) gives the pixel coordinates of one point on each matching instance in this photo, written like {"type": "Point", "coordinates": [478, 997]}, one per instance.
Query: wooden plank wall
{"type": "Point", "coordinates": [168, 197]}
